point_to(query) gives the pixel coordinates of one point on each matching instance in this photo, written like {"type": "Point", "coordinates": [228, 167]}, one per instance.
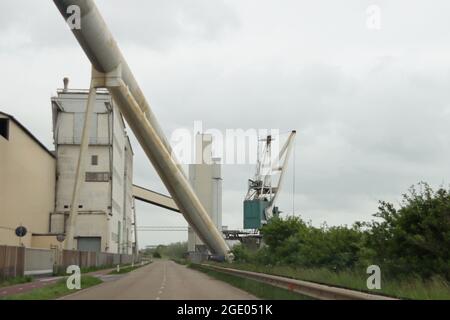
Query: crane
{"type": "Point", "coordinates": [264, 188]}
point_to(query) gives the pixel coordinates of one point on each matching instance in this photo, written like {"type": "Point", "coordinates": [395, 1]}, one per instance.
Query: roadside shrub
{"type": "Point", "coordinates": [412, 240]}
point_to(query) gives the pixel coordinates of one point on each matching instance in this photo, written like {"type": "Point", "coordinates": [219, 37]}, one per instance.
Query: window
{"type": "Point", "coordinates": [97, 176]}
{"type": "Point", "coordinates": [94, 160]}
{"type": "Point", "coordinates": [4, 128]}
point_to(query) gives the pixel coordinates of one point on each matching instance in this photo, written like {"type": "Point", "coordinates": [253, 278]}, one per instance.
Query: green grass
{"type": "Point", "coordinates": [55, 290]}
{"type": "Point", "coordinates": [408, 288]}
{"type": "Point", "coordinates": [16, 280]}
{"type": "Point", "coordinates": [62, 271]}
{"type": "Point", "coordinates": [258, 289]}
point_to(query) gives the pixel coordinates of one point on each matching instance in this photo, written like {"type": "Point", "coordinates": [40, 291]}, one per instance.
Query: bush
{"type": "Point", "coordinates": [411, 240]}
{"type": "Point", "coordinates": [415, 238]}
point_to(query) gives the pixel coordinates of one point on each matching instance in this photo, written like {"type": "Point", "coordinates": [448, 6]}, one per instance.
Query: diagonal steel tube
{"type": "Point", "coordinates": [106, 57]}
{"type": "Point", "coordinates": [79, 176]}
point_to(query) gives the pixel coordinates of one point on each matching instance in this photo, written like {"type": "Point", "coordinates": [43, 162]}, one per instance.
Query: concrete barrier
{"type": "Point", "coordinates": [310, 289]}
{"type": "Point", "coordinates": [39, 261]}
{"type": "Point", "coordinates": [116, 259]}
{"type": "Point", "coordinates": [126, 259]}
{"type": "Point", "coordinates": [104, 259]}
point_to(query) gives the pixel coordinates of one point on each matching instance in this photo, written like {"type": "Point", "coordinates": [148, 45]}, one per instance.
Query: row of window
{"type": "Point", "coordinates": [97, 177]}
{"type": "Point", "coordinates": [67, 206]}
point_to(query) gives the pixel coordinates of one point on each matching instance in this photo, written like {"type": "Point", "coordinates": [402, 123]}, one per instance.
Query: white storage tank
{"type": "Point", "coordinates": [205, 176]}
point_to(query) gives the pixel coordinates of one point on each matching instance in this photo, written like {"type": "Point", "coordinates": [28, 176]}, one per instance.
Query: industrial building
{"type": "Point", "coordinates": [36, 184]}
{"type": "Point", "coordinates": [102, 217]}
{"type": "Point", "coordinates": [106, 217]}
{"type": "Point", "coordinates": [105, 209]}
{"type": "Point", "coordinates": [27, 184]}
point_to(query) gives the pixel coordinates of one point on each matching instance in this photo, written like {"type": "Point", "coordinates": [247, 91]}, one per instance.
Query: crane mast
{"type": "Point", "coordinates": [264, 188]}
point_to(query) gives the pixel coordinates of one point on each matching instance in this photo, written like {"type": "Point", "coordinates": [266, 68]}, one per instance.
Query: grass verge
{"type": "Point", "coordinates": [258, 289]}
{"type": "Point", "coordinates": [62, 271]}
{"type": "Point", "coordinates": [84, 270]}
{"type": "Point", "coordinates": [55, 290]}
{"type": "Point", "coordinates": [407, 288]}
{"type": "Point", "coordinates": [16, 280]}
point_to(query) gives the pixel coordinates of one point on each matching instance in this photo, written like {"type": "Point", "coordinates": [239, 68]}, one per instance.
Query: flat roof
{"type": "Point", "coordinates": [28, 133]}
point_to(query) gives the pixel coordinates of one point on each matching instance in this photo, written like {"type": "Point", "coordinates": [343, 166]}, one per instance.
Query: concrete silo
{"type": "Point", "coordinates": [205, 176]}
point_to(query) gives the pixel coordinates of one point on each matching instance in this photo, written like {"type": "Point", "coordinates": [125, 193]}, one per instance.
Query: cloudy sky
{"type": "Point", "coordinates": [371, 107]}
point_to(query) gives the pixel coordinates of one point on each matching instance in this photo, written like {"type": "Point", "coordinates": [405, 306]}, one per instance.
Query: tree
{"type": "Point", "coordinates": [414, 238]}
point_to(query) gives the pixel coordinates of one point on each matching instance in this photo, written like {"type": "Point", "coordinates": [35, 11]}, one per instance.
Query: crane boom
{"type": "Point", "coordinates": [259, 203]}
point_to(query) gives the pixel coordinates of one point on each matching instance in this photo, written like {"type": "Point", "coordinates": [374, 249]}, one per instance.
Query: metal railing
{"type": "Point", "coordinates": [310, 289]}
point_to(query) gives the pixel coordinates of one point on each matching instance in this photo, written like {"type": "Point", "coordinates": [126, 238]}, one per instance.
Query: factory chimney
{"type": "Point", "coordinates": [66, 84]}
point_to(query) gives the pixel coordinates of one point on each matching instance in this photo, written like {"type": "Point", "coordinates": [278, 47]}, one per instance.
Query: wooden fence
{"type": "Point", "coordinates": [12, 262]}
{"type": "Point", "coordinates": [18, 261]}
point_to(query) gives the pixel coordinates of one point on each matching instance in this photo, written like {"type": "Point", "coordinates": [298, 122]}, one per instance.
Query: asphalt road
{"type": "Point", "coordinates": [162, 280]}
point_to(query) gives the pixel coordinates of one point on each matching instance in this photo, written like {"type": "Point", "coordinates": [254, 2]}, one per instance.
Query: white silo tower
{"type": "Point", "coordinates": [205, 176]}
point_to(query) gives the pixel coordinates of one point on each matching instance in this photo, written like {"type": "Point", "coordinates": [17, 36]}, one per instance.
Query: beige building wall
{"type": "Point", "coordinates": [27, 185]}
{"type": "Point", "coordinates": [46, 242]}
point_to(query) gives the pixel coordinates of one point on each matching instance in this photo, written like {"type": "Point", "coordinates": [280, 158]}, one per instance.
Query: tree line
{"type": "Point", "coordinates": [173, 251]}
{"type": "Point", "coordinates": [412, 239]}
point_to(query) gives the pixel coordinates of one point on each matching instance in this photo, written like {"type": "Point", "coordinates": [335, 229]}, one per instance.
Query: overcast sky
{"type": "Point", "coordinates": [371, 107]}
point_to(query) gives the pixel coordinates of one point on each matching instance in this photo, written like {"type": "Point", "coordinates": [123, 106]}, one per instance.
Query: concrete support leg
{"type": "Point", "coordinates": [80, 173]}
